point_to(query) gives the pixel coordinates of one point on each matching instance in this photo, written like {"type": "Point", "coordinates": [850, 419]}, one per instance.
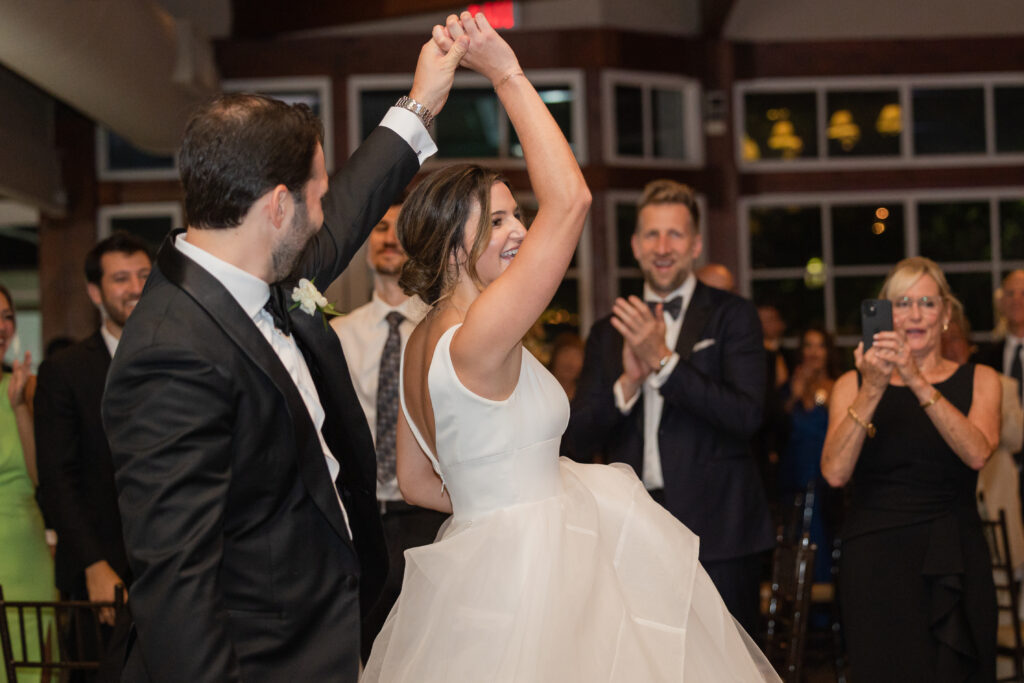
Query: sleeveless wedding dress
{"type": "Point", "coordinates": [549, 570]}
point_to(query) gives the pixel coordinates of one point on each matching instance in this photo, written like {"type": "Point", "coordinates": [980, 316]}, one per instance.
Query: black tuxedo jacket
{"type": "Point", "coordinates": [713, 403]}
{"type": "Point", "coordinates": [76, 475]}
{"type": "Point", "coordinates": [243, 566]}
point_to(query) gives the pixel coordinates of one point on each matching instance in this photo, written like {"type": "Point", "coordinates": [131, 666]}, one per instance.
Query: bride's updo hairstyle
{"type": "Point", "coordinates": [432, 229]}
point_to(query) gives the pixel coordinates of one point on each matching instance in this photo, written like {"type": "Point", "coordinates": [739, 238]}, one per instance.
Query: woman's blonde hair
{"type": "Point", "coordinates": [432, 227]}
{"type": "Point", "coordinates": [908, 271]}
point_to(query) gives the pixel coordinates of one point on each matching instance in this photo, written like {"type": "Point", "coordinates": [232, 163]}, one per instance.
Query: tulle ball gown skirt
{"type": "Point", "coordinates": [597, 583]}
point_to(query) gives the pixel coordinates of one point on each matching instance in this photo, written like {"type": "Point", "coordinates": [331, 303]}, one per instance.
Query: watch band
{"type": "Point", "coordinates": [406, 102]}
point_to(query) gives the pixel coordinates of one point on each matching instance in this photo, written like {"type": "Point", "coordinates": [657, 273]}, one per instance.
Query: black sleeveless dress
{"type": "Point", "coordinates": [916, 579]}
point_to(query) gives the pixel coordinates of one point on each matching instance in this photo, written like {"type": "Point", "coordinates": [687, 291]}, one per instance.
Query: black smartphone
{"type": "Point", "coordinates": [875, 316]}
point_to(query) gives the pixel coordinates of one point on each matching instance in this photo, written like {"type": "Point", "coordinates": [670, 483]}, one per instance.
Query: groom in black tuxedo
{"type": "Point", "coordinates": [674, 386]}
{"type": "Point", "coordinates": [244, 464]}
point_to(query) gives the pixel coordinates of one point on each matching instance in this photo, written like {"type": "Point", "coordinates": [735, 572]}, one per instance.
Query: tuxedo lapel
{"type": "Point", "coordinates": [210, 295]}
{"type": "Point", "coordinates": [697, 314]}
{"type": "Point", "coordinates": [345, 428]}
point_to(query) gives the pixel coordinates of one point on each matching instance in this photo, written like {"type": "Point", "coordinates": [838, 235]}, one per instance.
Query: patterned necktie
{"type": "Point", "coordinates": [673, 306]}
{"type": "Point", "coordinates": [277, 307]}
{"type": "Point", "coordinates": [387, 399]}
{"type": "Point", "coordinates": [1016, 371]}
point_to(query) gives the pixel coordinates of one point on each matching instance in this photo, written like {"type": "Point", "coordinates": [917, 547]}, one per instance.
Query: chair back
{"type": "Point", "coordinates": [789, 606]}
{"type": "Point", "coordinates": [37, 634]}
{"type": "Point", "coordinates": [1009, 640]}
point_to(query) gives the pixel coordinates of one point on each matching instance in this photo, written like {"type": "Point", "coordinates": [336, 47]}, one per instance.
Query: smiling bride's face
{"type": "Point", "coordinates": [507, 234]}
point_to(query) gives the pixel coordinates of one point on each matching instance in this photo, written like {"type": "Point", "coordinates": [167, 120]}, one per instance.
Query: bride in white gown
{"type": "Point", "coordinates": [548, 570]}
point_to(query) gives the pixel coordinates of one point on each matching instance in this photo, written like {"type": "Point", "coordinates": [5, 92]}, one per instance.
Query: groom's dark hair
{"type": "Point", "coordinates": [236, 148]}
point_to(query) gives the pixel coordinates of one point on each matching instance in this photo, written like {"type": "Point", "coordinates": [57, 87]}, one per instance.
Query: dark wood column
{"type": "Point", "coordinates": [64, 241]}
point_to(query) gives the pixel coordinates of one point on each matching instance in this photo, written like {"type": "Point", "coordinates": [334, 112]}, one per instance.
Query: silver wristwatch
{"type": "Point", "coordinates": [406, 102]}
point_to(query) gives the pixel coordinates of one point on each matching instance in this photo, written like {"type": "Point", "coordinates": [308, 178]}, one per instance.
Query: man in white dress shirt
{"type": "Point", "coordinates": [678, 396]}
{"type": "Point", "coordinates": [1007, 354]}
{"type": "Point", "coordinates": [375, 331]}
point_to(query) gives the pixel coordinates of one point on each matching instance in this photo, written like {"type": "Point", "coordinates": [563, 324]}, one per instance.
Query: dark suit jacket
{"type": "Point", "coordinates": [713, 404]}
{"type": "Point", "coordinates": [243, 567]}
{"type": "Point", "coordinates": [76, 475]}
{"type": "Point", "coordinates": [991, 354]}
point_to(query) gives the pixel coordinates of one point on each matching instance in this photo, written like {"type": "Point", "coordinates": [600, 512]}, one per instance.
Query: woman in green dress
{"type": "Point", "coordinates": [26, 567]}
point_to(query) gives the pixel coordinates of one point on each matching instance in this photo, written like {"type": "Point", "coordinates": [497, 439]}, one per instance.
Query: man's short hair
{"type": "Point", "coordinates": [236, 148]}
{"type": "Point", "coordinates": [121, 242]}
{"type": "Point", "coordinates": [666, 191]}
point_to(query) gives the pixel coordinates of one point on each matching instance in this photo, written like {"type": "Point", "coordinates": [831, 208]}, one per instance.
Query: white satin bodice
{"type": "Point", "coordinates": [494, 454]}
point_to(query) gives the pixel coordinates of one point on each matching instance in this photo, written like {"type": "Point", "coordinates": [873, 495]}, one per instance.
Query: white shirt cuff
{"type": "Point", "coordinates": [621, 403]}
{"type": "Point", "coordinates": [411, 129]}
{"type": "Point", "coordinates": [660, 377]}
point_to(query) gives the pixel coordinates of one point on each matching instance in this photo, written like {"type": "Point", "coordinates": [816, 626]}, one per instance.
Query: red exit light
{"type": "Point", "coordinates": [500, 14]}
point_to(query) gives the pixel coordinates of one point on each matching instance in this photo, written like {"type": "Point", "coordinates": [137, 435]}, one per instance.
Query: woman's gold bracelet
{"type": "Point", "coordinates": [867, 426]}
{"type": "Point", "coordinates": [933, 400]}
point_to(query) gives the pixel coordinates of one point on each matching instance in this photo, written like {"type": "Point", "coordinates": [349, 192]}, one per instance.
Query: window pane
{"type": "Point", "coordinates": [667, 112]}
{"type": "Point", "coordinates": [559, 99]}
{"type": "Point", "coordinates": [975, 292]}
{"type": "Point", "coordinates": [19, 248]}
{"type": "Point", "coordinates": [954, 231]}
{"type": "Point", "coordinates": [1011, 222]}
{"type": "Point", "coordinates": [864, 123]}
{"type": "Point", "coordinates": [123, 156]}
{"type": "Point", "coordinates": [373, 104]}
{"type": "Point", "coordinates": [629, 120]}
{"type": "Point", "coordinates": [150, 229]}
{"type": "Point", "coordinates": [850, 291]}
{"type": "Point", "coordinates": [631, 286]}
{"type": "Point", "coordinates": [781, 126]}
{"type": "Point", "coordinates": [469, 127]}
{"type": "Point", "coordinates": [949, 120]}
{"type": "Point", "coordinates": [799, 305]}
{"type": "Point", "coordinates": [1009, 114]}
{"type": "Point", "coordinates": [781, 237]}
{"type": "Point", "coordinates": [567, 300]}
{"type": "Point", "coordinates": [625, 226]}
{"type": "Point", "coordinates": [867, 234]}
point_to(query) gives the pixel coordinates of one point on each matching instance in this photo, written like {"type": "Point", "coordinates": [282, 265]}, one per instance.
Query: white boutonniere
{"type": "Point", "coordinates": [307, 297]}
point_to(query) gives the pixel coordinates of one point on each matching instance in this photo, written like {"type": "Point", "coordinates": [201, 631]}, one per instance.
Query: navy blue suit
{"type": "Point", "coordinates": [713, 403]}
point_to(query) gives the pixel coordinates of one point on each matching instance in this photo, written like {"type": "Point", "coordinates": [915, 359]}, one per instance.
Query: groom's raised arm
{"type": "Point", "coordinates": [373, 178]}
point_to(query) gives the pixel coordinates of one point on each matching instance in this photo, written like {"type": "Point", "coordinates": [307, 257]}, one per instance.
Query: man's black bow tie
{"type": "Point", "coordinates": [673, 306]}
{"type": "Point", "coordinates": [277, 307]}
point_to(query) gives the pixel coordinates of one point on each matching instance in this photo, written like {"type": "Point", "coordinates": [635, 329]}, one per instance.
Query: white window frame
{"type": "Point", "coordinates": [693, 130]}
{"type": "Point", "coordinates": [540, 78]}
{"type": "Point", "coordinates": [105, 215]}
{"type": "Point", "coordinates": [905, 86]}
{"type": "Point", "coordinates": [909, 200]}
{"type": "Point", "coordinates": [105, 173]}
{"type": "Point", "coordinates": [276, 87]}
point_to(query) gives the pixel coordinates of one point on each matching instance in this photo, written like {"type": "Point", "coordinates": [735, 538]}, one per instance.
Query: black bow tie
{"type": "Point", "coordinates": [277, 307]}
{"type": "Point", "coordinates": [673, 306]}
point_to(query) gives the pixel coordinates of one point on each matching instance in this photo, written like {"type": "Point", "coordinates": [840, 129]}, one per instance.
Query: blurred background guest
{"type": "Point", "coordinates": [566, 361]}
{"type": "Point", "coordinates": [909, 429]}
{"type": "Point", "coordinates": [718, 276]}
{"type": "Point", "coordinates": [26, 568]}
{"type": "Point", "coordinates": [805, 399]}
{"type": "Point", "coordinates": [998, 480]}
{"type": "Point", "coordinates": [1006, 353]}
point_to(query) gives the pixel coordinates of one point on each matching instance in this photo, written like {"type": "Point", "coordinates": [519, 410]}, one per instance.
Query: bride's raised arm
{"type": "Point", "coordinates": [500, 317]}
